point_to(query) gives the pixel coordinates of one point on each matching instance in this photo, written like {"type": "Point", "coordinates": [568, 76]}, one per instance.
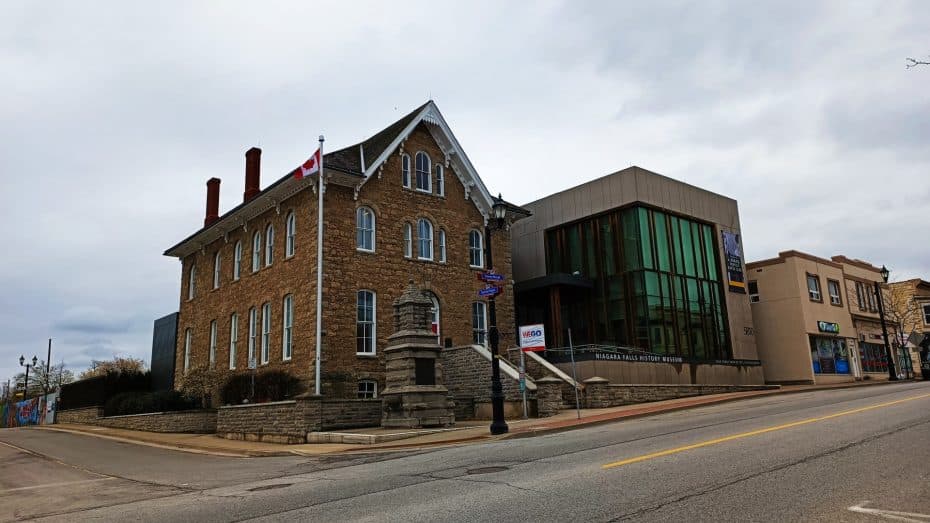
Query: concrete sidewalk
{"type": "Point", "coordinates": [468, 431]}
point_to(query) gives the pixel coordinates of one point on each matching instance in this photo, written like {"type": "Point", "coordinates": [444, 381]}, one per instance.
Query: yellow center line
{"type": "Point", "coordinates": [741, 435]}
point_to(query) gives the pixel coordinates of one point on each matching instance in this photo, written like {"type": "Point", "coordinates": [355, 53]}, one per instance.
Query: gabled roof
{"type": "Point", "coordinates": [353, 166]}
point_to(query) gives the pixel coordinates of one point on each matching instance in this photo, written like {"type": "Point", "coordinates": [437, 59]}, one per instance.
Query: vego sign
{"type": "Point", "coordinates": [533, 337]}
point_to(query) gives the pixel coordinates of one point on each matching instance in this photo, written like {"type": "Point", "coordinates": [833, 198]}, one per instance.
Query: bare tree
{"type": "Point", "coordinates": [913, 62]}
{"type": "Point", "coordinates": [117, 364]}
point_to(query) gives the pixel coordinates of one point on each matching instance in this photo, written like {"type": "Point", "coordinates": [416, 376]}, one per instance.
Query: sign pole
{"type": "Point", "coordinates": [523, 382]}
{"type": "Point", "coordinates": [319, 276]}
{"type": "Point", "coordinates": [571, 349]}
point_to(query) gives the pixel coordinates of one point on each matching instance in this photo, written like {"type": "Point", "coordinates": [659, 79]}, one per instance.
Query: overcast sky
{"type": "Point", "coordinates": [114, 114]}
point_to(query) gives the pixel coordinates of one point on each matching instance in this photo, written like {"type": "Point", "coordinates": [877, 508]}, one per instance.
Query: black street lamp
{"type": "Point", "coordinates": [22, 363]}
{"type": "Point", "coordinates": [498, 425]}
{"type": "Point", "coordinates": [892, 373]}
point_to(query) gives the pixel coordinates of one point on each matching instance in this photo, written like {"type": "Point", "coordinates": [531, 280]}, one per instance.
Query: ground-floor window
{"type": "Point", "coordinates": [829, 355]}
{"type": "Point", "coordinates": [367, 389]}
{"type": "Point", "coordinates": [872, 357]}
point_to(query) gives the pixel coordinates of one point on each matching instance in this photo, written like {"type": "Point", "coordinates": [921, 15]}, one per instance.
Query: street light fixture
{"type": "Point", "coordinates": [22, 363]}
{"type": "Point", "coordinates": [498, 425]}
{"type": "Point", "coordinates": [892, 373]}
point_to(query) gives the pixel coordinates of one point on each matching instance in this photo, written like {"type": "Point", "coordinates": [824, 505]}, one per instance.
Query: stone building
{"type": "Point", "coordinates": [405, 204]}
{"type": "Point", "coordinates": [909, 311]}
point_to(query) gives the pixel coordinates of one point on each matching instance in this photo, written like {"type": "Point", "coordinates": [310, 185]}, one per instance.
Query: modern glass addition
{"type": "Point", "coordinates": [656, 280]}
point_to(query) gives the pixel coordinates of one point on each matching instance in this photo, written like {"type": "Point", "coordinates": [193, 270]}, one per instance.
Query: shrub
{"type": "Point", "coordinates": [146, 402]}
{"type": "Point", "coordinates": [201, 383]}
{"type": "Point", "coordinates": [270, 385]}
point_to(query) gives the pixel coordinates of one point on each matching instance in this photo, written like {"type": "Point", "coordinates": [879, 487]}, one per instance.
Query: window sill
{"type": "Point", "coordinates": [364, 251]}
{"type": "Point", "coordinates": [366, 354]}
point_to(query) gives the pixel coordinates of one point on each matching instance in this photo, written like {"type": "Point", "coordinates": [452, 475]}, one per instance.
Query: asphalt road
{"type": "Point", "coordinates": [844, 455]}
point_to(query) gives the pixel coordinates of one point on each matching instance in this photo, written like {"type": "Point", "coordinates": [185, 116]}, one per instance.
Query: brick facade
{"type": "Point", "coordinates": [385, 271]}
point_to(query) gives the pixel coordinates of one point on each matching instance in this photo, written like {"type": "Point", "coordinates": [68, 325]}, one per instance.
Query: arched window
{"type": "Point", "coordinates": [365, 324]}
{"type": "Point", "coordinates": [434, 315]}
{"type": "Point", "coordinates": [475, 249]}
{"type": "Point", "coordinates": [256, 251]}
{"type": "Point", "coordinates": [424, 179]}
{"type": "Point", "coordinates": [405, 169]}
{"type": "Point", "coordinates": [287, 335]}
{"type": "Point", "coordinates": [408, 241]}
{"type": "Point", "coordinates": [269, 245]}
{"type": "Point", "coordinates": [266, 330]}
{"type": "Point", "coordinates": [237, 260]}
{"type": "Point", "coordinates": [440, 180]}
{"type": "Point", "coordinates": [442, 245]}
{"type": "Point", "coordinates": [364, 229]}
{"type": "Point", "coordinates": [424, 239]}
{"type": "Point", "coordinates": [187, 350]}
{"type": "Point", "coordinates": [191, 278]}
{"type": "Point", "coordinates": [290, 233]}
{"type": "Point", "coordinates": [216, 271]}
{"type": "Point", "coordinates": [479, 322]}
{"type": "Point", "coordinates": [233, 339]}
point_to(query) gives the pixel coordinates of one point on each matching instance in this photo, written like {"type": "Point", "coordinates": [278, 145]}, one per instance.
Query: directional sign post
{"type": "Point", "coordinates": [490, 276]}
{"type": "Point", "coordinates": [490, 291]}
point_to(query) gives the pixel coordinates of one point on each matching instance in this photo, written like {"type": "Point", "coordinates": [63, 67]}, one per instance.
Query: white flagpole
{"type": "Point", "coordinates": [319, 274]}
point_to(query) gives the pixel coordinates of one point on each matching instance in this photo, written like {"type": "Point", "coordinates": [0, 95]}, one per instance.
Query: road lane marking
{"type": "Point", "coordinates": [756, 432]}
{"type": "Point", "coordinates": [890, 514]}
{"type": "Point", "coordinates": [59, 484]}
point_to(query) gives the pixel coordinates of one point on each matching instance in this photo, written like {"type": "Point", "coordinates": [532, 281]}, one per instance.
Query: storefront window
{"type": "Point", "coordinates": [872, 356]}
{"type": "Point", "coordinates": [829, 355]}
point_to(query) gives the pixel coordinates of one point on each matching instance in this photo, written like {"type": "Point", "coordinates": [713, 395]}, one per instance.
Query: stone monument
{"type": "Point", "coordinates": [414, 395]}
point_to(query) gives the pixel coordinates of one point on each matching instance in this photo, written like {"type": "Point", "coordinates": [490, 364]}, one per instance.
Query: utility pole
{"type": "Point", "coordinates": [48, 367]}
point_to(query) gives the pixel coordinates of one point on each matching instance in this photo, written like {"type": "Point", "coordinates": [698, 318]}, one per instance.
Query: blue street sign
{"type": "Point", "coordinates": [491, 276]}
{"type": "Point", "coordinates": [489, 291]}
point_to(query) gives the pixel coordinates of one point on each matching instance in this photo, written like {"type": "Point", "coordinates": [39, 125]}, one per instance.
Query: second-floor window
{"type": "Point", "coordinates": [813, 287]}
{"type": "Point", "coordinates": [364, 229]}
{"type": "Point", "coordinates": [833, 288]}
{"type": "Point", "coordinates": [440, 180]}
{"type": "Point", "coordinates": [365, 323]}
{"type": "Point", "coordinates": [405, 170]}
{"type": "Point", "coordinates": [926, 314]}
{"type": "Point", "coordinates": [290, 233]}
{"type": "Point", "coordinates": [753, 291]}
{"type": "Point", "coordinates": [253, 334]}
{"type": "Point", "coordinates": [256, 251]}
{"type": "Point", "coordinates": [212, 343]}
{"type": "Point", "coordinates": [860, 295]}
{"type": "Point", "coordinates": [424, 239]}
{"type": "Point", "coordinates": [287, 336]}
{"type": "Point", "coordinates": [424, 179]}
{"type": "Point", "coordinates": [475, 249]}
{"type": "Point", "coordinates": [441, 247]}
{"type": "Point", "coordinates": [269, 245]}
{"type": "Point", "coordinates": [216, 271]}
{"type": "Point", "coordinates": [191, 278]}
{"type": "Point", "coordinates": [187, 350]}
{"type": "Point", "coordinates": [408, 241]}
{"type": "Point", "coordinates": [237, 260]}
{"type": "Point", "coordinates": [233, 339]}
{"type": "Point", "coordinates": [266, 331]}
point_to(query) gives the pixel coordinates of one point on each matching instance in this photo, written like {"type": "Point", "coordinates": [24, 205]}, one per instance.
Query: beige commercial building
{"type": "Point", "coordinates": [645, 273]}
{"type": "Point", "coordinates": [817, 319]}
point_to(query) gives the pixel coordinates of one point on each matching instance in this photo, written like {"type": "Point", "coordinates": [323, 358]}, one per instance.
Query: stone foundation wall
{"type": "Point", "coordinates": [188, 421]}
{"type": "Point", "coordinates": [84, 416]}
{"type": "Point", "coordinates": [348, 414]}
{"type": "Point", "coordinates": [602, 395]}
{"type": "Point", "coordinates": [290, 421]}
{"type": "Point", "coordinates": [468, 375]}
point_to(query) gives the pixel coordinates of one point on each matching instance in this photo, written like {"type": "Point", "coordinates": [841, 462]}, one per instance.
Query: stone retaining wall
{"type": "Point", "coordinates": [467, 374]}
{"type": "Point", "coordinates": [290, 421]}
{"type": "Point", "coordinates": [600, 394]}
{"type": "Point", "coordinates": [84, 416]}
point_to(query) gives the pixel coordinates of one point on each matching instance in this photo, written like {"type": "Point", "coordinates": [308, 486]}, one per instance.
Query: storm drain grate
{"type": "Point", "coordinates": [487, 470]}
{"type": "Point", "coordinates": [270, 487]}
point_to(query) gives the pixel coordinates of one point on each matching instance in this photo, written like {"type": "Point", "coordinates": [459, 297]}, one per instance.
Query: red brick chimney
{"type": "Point", "coordinates": [213, 201]}
{"type": "Point", "coordinates": [253, 167]}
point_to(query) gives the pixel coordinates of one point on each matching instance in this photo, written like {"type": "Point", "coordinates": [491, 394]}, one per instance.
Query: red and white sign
{"type": "Point", "coordinates": [533, 337]}
{"type": "Point", "coordinates": [309, 167]}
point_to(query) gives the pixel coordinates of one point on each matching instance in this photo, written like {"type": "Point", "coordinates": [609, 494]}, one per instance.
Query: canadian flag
{"type": "Point", "coordinates": [309, 167]}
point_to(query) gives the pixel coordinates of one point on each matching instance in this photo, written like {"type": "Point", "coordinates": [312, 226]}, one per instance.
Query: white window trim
{"type": "Point", "coordinates": [257, 246]}
{"type": "Point", "coordinates": [814, 295]}
{"type": "Point", "coordinates": [926, 310]}
{"type": "Point", "coordinates": [484, 308]}
{"type": "Point", "coordinates": [269, 245]}
{"type": "Point", "coordinates": [753, 297]}
{"type": "Point", "coordinates": [374, 228]}
{"type": "Point", "coordinates": [253, 334]}
{"type": "Point", "coordinates": [287, 328]}
{"type": "Point", "coordinates": [290, 233]}
{"type": "Point", "coordinates": [212, 343]}
{"type": "Point", "coordinates": [237, 260]}
{"type": "Point", "coordinates": [480, 248]}
{"type": "Point", "coordinates": [233, 339]}
{"type": "Point", "coordinates": [440, 180]}
{"type": "Point", "coordinates": [216, 270]}
{"type": "Point", "coordinates": [266, 333]}
{"type": "Point", "coordinates": [839, 298]}
{"type": "Point", "coordinates": [374, 389]}
{"type": "Point", "coordinates": [432, 230]}
{"type": "Point", "coordinates": [405, 172]}
{"type": "Point", "coordinates": [191, 279]}
{"type": "Point", "coordinates": [187, 350]}
{"type": "Point", "coordinates": [441, 247]}
{"type": "Point", "coordinates": [374, 323]}
{"type": "Point", "coordinates": [428, 171]}
{"type": "Point", "coordinates": [408, 240]}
